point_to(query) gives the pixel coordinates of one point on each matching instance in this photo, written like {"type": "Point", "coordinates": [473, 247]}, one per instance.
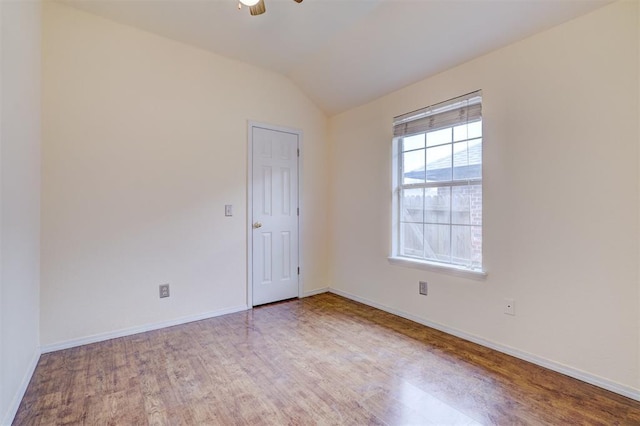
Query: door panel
{"type": "Point", "coordinates": [274, 216]}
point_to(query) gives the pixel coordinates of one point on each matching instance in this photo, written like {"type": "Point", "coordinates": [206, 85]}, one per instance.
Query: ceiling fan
{"type": "Point", "coordinates": [256, 7]}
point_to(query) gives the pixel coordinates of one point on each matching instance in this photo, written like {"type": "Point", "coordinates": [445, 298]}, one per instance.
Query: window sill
{"type": "Point", "coordinates": [438, 267]}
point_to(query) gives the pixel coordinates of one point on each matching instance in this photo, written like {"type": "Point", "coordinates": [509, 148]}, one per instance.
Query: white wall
{"type": "Point", "coordinates": [560, 200]}
{"type": "Point", "coordinates": [638, 38]}
{"type": "Point", "coordinates": [19, 199]}
{"type": "Point", "coordinates": [145, 141]}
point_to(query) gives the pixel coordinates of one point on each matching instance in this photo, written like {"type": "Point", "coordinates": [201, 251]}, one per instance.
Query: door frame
{"type": "Point", "coordinates": [251, 125]}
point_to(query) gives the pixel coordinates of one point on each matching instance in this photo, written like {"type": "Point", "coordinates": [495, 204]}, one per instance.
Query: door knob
{"type": "Point", "coordinates": [257, 225]}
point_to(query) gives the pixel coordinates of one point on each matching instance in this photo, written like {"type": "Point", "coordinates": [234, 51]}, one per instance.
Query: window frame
{"type": "Point", "coordinates": [398, 186]}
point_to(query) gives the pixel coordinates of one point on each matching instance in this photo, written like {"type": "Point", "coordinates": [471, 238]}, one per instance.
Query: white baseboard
{"type": "Point", "coordinates": [601, 382]}
{"type": "Point", "coordinates": [316, 291]}
{"type": "Point", "coordinates": [17, 397]}
{"type": "Point", "coordinates": [141, 329]}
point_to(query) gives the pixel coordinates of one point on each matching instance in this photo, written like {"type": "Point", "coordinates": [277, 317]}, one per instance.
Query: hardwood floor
{"type": "Point", "coordinates": [319, 360]}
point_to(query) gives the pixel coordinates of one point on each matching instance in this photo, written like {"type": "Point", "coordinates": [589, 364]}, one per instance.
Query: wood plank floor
{"type": "Point", "coordinates": [319, 360]}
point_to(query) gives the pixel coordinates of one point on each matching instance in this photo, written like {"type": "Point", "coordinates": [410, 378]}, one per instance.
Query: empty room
{"type": "Point", "coordinates": [349, 212]}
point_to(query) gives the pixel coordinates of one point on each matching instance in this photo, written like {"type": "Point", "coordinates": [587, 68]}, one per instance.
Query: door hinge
{"type": "Point", "coordinates": [298, 270]}
{"type": "Point", "coordinates": [298, 211]}
{"type": "Point", "coordinates": [298, 152]}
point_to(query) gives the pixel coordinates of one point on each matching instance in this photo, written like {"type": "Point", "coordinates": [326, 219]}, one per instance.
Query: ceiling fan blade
{"type": "Point", "coordinates": [298, 1]}
{"type": "Point", "coordinates": [259, 8]}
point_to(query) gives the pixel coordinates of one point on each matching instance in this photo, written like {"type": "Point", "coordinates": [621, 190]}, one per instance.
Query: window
{"type": "Point", "coordinates": [438, 184]}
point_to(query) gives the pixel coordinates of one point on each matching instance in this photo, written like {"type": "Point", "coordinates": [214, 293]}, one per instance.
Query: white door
{"type": "Point", "coordinates": [275, 215]}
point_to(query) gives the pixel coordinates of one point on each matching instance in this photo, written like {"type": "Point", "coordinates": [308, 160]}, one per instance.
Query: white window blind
{"type": "Point", "coordinates": [461, 110]}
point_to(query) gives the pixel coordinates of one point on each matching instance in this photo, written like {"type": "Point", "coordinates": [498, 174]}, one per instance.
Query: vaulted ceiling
{"type": "Point", "coordinates": [343, 53]}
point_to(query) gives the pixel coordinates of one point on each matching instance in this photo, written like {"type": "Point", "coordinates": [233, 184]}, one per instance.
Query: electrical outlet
{"type": "Point", "coordinates": [422, 287]}
{"type": "Point", "coordinates": [509, 306]}
{"type": "Point", "coordinates": [228, 210]}
{"type": "Point", "coordinates": [164, 290]}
